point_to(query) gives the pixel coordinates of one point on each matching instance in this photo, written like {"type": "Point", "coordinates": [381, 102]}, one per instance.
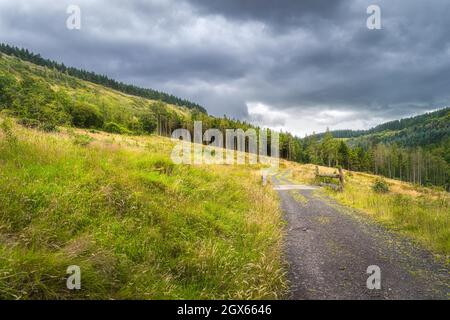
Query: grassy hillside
{"type": "Point", "coordinates": [420, 213]}
{"type": "Point", "coordinates": [92, 77]}
{"type": "Point", "coordinates": [137, 225]}
{"type": "Point", "coordinates": [46, 98]}
{"type": "Point", "coordinates": [53, 98]}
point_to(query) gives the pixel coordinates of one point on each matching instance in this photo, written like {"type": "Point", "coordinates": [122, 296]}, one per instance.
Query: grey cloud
{"type": "Point", "coordinates": [280, 14]}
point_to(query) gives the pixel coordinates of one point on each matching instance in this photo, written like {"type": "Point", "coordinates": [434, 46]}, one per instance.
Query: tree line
{"type": "Point", "coordinates": [419, 165]}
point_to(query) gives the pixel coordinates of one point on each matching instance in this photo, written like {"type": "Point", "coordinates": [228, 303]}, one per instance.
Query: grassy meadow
{"type": "Point", "coordinates": [417, 212]}
{"type": "Point", "coordinates": [137, 225]}
{"type": "Point", "coordinates": [141, 227]}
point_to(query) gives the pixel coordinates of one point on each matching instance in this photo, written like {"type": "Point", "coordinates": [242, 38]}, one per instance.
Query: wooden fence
{"type": "Point", "coordinates": [340, 177]}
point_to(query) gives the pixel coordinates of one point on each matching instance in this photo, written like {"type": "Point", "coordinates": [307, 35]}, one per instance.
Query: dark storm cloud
{"type": "Point", "coordinates": [281, 13]}
{"type": "Point", "coordinates": [302, 64]}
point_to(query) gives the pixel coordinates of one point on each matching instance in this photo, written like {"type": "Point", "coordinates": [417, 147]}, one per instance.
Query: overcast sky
{"type": "Point", "coordinates": [298, 65]}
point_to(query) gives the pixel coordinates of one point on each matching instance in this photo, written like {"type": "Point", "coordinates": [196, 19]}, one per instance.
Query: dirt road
{"type": "Point", "coordinates": [329, 248]}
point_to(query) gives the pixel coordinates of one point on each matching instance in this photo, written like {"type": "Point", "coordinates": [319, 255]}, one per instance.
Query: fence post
{"type": "Point", "coordinates": [341, 179]}
{"type": "Point", "coordinates": [264, 175]}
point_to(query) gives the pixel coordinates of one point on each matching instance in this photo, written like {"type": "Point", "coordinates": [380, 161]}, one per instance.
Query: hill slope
{"type": "Point", "coordinates": [422, 130]}
{"type": "Point", "coordinates": [416, 149]}
{"type": "Point", "coordinates": [137, 225]}
{"type": "Point", "coordinates": [44, 97]}
{"type": "Point", "coordinates": [26, 55]}
{"type": "Point", "coordinates": [54, 98]}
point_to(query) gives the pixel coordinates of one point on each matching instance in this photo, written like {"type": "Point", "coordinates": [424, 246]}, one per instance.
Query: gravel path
{"type": "Point", "coordinates": [329, 248]}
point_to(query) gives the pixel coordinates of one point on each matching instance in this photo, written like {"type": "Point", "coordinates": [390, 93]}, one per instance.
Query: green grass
{"type": "Point", "coordinates": [298, 196]}
{"type": "Point", "coordinates": [137, 225]}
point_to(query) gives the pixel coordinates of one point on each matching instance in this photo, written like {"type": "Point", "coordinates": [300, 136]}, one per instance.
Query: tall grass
{"type": "Point", "coordinates": [137, 225]}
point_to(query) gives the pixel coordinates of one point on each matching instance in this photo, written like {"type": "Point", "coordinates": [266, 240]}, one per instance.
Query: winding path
{"type": "Point", "coordinates": [329, 248]}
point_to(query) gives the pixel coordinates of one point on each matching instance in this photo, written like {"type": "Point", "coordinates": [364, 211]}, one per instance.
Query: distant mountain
{"type": "Point", "coordinates": [422, 130]}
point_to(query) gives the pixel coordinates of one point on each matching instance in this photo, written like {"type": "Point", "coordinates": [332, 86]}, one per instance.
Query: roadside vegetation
{"type": "Point", "coordinates": [418, 212]}
{"type": "Point", "coordinates": [139, 226]}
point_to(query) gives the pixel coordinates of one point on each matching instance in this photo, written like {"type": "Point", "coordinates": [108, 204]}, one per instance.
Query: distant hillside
{"type": "Point", "coordinates": [415, 149]}
{"type": "Point", "coordinates": [422, 130]}
{"type": "Point", "coordinates": [103, 80]}
{"type": "Point", "coordinates": [44, 97]}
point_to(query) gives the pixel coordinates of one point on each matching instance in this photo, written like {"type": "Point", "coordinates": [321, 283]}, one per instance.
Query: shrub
{"type": "Point", "coordinates": [148, 122]}
{"type": "Point", "coordinates": [8, 113]}
{"type": "Point", "coordinates": [7, 127]}
{"type": "Point", "coordinates": [29, 123]}
{"type": "Point", "coordinates": [48, 126]}
{"type": "Point", "coordinates": [8, 85]}
{"type": "Point", "coordinates": [380, 186]}
{"type": "Point", "coordinates": [163, 165]}
{"type": "Point", "coordinates": [82, 139]}
{"type": "Point", "coordinates": [135, 125]}
{"type": "Point", "coordinates": [86, 116]}
{"type": "Point", "coordinates": [112, 127]}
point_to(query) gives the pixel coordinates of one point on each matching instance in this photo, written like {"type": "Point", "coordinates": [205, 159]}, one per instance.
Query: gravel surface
{"type": "Point", "coordinates": [329, 248]}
